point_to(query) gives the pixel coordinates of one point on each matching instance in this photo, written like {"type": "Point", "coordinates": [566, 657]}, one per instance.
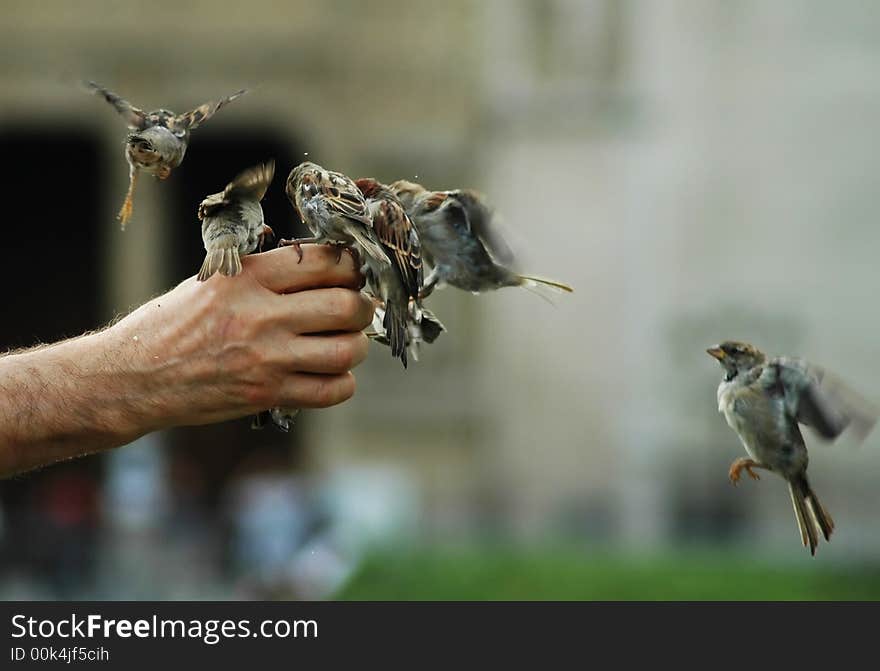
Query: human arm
{"type": "Point", "coordinates": [280, 334]}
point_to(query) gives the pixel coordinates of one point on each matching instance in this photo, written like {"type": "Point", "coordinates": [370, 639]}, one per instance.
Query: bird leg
{"type": "Point", "coordinates": [127, 205]}
{"type": "Point", "coordinates": [266, 232]}
{"type": "Point", "coordinates": [748, 464]}
{"type": "Point", "coordinates": [297, 242]}
{"type": "Point", "coordinates": [428, 285]}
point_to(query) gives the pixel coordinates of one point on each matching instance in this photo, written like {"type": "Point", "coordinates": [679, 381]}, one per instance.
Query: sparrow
{"type": "Point", "coordinates": [157, 140]}
{"type": "Point", "coordinates": [764, 400]}
{"type": "Point", "coordinates": [460, 242]}
{"type": "Point", "coordinates": [334, 210]}
{"type": "Point", "coordinates": [397, 283]}
{"type": "Point", "coordinates": [232, 221]}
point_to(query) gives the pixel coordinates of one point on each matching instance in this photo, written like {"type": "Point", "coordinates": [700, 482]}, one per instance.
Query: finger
{"type": "Point", "coordinates": [321, 310]}
{"type": "Point", "coordinates": [304, 390]}
{"type": "Point", "coordinates": [328, 354]}
{"type": "Point", "coordinates": [281, 271]}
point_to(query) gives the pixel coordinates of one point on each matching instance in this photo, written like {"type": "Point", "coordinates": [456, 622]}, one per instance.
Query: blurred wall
{"type": "Point", "coordinates": [696, 170]}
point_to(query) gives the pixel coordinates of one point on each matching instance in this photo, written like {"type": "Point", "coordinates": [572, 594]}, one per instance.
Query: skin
{"type": "Point", "coordinates": [279, 334]}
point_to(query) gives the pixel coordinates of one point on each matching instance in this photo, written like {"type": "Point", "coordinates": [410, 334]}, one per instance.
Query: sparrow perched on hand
{"type": "Point", "coordinates": [158, 139]}
{"type": "Point", "coordinates": [335, 211]}
{"type": "Point", "coordinates": [397, 283]}
{"type": "Point", "coordinates": [232, 221]}
{"type": "Point", "coordinates": [460, 242]}
{"type": "Point", "coordinates": [764, 401]}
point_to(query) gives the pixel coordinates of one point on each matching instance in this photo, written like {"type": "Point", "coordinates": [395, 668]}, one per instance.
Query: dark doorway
{"type": "Point", "coordinates": [52, 288]}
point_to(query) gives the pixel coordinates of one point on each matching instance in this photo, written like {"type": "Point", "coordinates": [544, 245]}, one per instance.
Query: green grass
{"type": "Point", "coordinates": [506, 574]}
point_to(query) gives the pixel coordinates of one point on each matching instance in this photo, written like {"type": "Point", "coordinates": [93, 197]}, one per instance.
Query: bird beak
{"type": "Point", "coordinates": [716, 352]}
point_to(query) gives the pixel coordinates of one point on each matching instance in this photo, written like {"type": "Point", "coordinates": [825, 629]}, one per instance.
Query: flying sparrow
{"type": "Point", "coordinates": [335, 211]}
{"type": "Point", "coordinates": [232, 221]}
{"type": "Point", "coordinates": [764, 400]}
{"type": "Point", "coordinates": [460, 242]}
{"type": "Point", "coordinates": [395, 284]}
{"type": "Point", "coordinates": [158, 139]}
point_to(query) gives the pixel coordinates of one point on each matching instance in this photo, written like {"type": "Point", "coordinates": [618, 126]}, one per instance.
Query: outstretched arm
{"type": "Point", "coordinates": [280, 334]}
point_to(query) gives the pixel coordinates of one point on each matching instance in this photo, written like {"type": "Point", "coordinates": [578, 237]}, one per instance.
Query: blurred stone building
{"type": "Point", "coordinates": [696, 170]}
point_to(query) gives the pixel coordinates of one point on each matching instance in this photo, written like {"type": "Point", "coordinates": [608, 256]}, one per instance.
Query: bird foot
{"type": "Point", "coordinates": [739, 465]}
{"type": "Point", "coordinates": [297, 243]}
{"type": "Point", "coordinates": [267, 232]}
{"type": "Point", "coordinates": [125, 212]}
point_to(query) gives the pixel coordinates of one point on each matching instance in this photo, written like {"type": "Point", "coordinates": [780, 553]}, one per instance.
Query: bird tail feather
{"type": "Point", "coordinates": [394, 324]}
{"type": "Point", "coordinates": [225, 260]}
{"type": "Point", "coordinates": [553, 285]}
{"type": "Point", "coordinates": [812, 518]}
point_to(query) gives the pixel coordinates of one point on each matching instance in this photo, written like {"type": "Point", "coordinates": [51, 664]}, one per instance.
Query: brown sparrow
{"type": "Point", "coordinates": [395, 284]}
{"type": "Point", "coordinates": [334, 209]}
{"type": "Point", "coordinates": [764, 401]}
{"type": "Point", "coordinates": [158, 139]}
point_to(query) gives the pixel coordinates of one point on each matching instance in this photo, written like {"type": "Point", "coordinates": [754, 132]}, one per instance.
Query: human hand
{"type": "Point", "coordinates": [280, 334]}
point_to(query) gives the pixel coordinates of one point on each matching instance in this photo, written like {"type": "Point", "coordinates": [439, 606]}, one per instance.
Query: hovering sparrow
{"type": "Point", "coordinates": [395, 284]}
{"type": "Point", "coordinates": [335, 211]}
{"type": "Point", "coordinates": [232, 221]}
{"type": "Point", "coordinates": [764, 400]}
{"type": "Point", "coordinates": [158, 139]}
{"type": "Point", "coordinates": [460, 242]}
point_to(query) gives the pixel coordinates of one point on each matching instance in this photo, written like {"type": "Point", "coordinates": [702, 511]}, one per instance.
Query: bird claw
{"type": "Point", "coordinates": [738, 466]}
{"type": "Point", "coordinates": [283, 242]}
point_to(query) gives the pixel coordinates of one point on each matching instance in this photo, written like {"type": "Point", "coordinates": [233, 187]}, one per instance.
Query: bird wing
{"type": "Point", "coordinates": [340, 193]}
{"type": "Point", "coordinates": [396, 232]}
{"type": "Point", "coordinates": [481, 222]}
{"type": "Point", "coordinates": [819, 399]}
{"type": "Point", "coordinates": [192, 119]}
{"type": "Point", "coordinates": [251, 183]}
{"type": "Point", "coordinates": [135, 118]}
{"type": "Point", "coordinates": [212, 203]}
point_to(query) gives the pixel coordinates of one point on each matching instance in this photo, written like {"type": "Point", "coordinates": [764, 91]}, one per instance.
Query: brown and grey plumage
{"type": "Point", "coordinates": [424, 330]}
{"type": "Point", "coordinates": [232, 221]}
{"type": "Point", "coordinates": [461, 243]}
{"type": "Point", "coordinates": [765, 400]}
{"type": "Point", "coordinates": [400, 282]}
{"type": "Point", "coordinates": [334, 209]}
{"type": "Point", "coordinates": [158, 139]}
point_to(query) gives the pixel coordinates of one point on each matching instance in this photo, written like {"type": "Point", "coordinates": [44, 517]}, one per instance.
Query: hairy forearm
{"type": "Point", "coordinates": [65, 400]}
{"type": "Point", "coordinates": [281, 334]}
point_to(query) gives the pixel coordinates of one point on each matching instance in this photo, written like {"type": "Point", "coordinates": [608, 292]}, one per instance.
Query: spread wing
{"type": "Point", "coordinates": [396, 232]}
{"type": "Point", "coordinates": [481, 223]}
{"type": "Point", "coordinates": [192, 119]}
{"type": "Point", "coordinates": [819, 399]}
{"type": "Point", "coordinates": [251, 183]}
{"type": "Point", "coordinates": [211, 204]}
{"type": "Point", "coordinates": [135, 118]}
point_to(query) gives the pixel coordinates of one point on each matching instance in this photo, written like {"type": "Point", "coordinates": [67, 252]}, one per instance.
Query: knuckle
{"type": "Point", "coordinates": [343, 354]}
{"type": "Point", "coordinates": [344, 304]}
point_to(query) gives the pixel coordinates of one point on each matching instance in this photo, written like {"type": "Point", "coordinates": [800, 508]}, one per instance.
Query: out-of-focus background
{"type": "Point", "coordinates": [697, 170]}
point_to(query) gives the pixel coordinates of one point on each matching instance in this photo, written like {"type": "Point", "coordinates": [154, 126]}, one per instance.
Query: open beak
{"type": "Point", "coordinates": [716, 352]}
